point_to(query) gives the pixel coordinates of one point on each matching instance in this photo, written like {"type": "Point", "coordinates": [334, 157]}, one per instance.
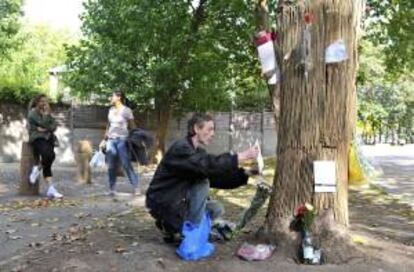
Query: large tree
{"type": "Point", "coordinates": [170, 55]}
{"type": "Point", "coordinates": [317, 108]}
{"type": "Point", "coordinates": [10, 13]}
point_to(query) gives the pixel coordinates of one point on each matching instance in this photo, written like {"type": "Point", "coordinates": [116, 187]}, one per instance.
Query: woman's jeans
{"type": "Point", "coordinates": [116, 150]}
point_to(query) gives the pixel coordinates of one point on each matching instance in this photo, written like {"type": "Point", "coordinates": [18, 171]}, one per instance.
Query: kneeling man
{"type": "Point", "coordinates": [179, 190]}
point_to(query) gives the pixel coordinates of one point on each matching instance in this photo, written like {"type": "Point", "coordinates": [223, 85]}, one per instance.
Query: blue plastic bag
{"type": "Point", "coordinates": [195, 244]}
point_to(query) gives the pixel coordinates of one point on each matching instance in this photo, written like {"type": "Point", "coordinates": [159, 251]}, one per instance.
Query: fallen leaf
{"type": "Point", "coordinates": [57, 237]}
{"type": "Point", "coordinates": [15, 237]}
{"type": "Point", "coordinates": [359, 240]}
{"type": "Point", "coordinates": [120, 249]}
{"type": "Point", "coordinates": [10, 231]}
{"type": "Point", "coordinates": [75, 233]}
{"type": "Point", "coordinates": [80, 215]}
{"type": "Point", "coordinates": [160, 261]}
{"type": "Point", "coordinates": [52, 220]}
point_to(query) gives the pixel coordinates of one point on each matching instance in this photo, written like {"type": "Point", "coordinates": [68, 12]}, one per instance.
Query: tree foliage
{"type": "Point", "coordinates": [384, 103]}
{"type": "Point", "coordinates": [390, 23]}
{"type": "Point", "coordinates": [193, 55]}
{"type": "Point", "coordinates": [25, 72]}
{"type": "Point", "coordinates": [10, 13]}
{"type": "Point", "coordinates": [385, 76]}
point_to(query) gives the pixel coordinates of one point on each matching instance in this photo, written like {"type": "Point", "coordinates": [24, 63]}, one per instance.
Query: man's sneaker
{"type": "Point", "coordinates": [34, 175]}
{"type": "Point", "coordinates": [53, 193]}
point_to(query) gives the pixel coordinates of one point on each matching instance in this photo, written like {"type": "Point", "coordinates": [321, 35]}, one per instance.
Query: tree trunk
{"type": "Point", "coordinates": [317, 113]}
{"type": "Point", "coordinates": [164, 112]}
{"type": "Point", "coordinates": [380, 133]}
{"type": "Point", "coordinates": [374, 134]}
{"type": "Point", "coordinates": [387, 133]}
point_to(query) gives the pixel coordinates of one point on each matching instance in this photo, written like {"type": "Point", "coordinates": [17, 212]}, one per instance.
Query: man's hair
{"type": "Point", "coordinates": [198, 119]}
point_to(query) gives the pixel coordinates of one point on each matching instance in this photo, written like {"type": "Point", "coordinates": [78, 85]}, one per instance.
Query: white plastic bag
{"type": "Point", "coordinates": [267, 57]}
{"type": "Point", "coordinates": [98, 160]}
{"type": "Point", "coordinates": [258, 252]}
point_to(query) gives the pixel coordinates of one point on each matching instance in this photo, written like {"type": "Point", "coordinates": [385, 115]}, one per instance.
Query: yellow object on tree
{"type": "Point", "coordinates": [356, 174]}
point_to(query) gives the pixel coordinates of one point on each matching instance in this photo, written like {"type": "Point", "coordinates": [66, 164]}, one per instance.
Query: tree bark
{"type": "Point", "coordinates": [164, 113]}
{"type": "Point", "coordinates": [380, 133]}
{"type": "Point", "coordinates": [317, 113]}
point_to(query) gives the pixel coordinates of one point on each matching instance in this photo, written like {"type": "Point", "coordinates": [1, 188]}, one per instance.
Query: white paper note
{"type": "Point", "coordinates": [325, 176]}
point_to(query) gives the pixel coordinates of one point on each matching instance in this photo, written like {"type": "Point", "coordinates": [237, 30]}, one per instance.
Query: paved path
{"type": "Point", "coordinates": [397, 166]}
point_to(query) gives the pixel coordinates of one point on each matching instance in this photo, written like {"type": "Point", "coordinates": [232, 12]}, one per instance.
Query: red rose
{"type": "Point", "coordinates": [300, 212]}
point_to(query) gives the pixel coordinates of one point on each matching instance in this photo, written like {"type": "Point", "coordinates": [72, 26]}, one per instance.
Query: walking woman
{"type": "Point", "coordinates": [41, 137]}
{"type": "Point", "coordinates": [120, 118]}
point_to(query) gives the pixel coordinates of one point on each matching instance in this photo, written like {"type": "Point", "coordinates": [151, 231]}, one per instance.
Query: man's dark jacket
{"type": "Point", "coordinates": [182, 166]}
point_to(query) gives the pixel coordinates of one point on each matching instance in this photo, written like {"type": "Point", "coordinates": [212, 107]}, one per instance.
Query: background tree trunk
{"type": "Point", "coordinates": [317, 114]}
{"type": "Point", "coordinates": [164, 115]}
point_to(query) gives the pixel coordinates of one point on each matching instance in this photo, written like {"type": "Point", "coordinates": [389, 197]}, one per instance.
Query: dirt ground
{"type": "Point", "coordinates": [90, 231]}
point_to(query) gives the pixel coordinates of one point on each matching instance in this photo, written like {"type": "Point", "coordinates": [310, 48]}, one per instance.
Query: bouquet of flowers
{"type": "Point", "coordinates": [304, 216]}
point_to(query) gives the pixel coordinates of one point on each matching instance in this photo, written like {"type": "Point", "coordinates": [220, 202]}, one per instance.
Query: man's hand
{"type": "Point", "coordinates": [248, 154]}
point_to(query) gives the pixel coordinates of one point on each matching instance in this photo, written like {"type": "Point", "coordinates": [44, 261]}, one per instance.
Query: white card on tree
{"type": "Point", "coordinates": [325, 176]}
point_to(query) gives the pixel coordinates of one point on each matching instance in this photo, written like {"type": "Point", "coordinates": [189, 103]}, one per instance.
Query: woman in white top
{"type": "Point", "coordinates": [120, 117]}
